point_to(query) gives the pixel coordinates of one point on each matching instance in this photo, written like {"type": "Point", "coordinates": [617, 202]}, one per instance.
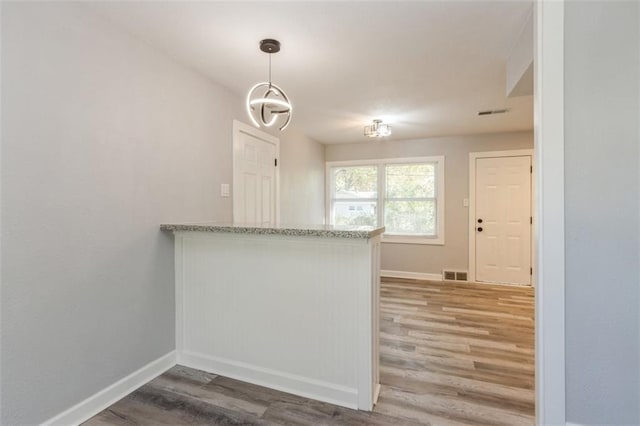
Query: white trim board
{"type": "Point", "coordinates": [473, 156]}
{"type": "Point", "coordinates": [410, 275]}
{"type": "Point", "coordinates": [97, 402]}
{"type": "Point", "coordinates": [272, 379]}
{"type": "Point", "coordinates": [548, 230]}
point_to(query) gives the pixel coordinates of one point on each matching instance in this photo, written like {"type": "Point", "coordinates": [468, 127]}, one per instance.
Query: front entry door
{"type": "Point", "coordinates": [254, 176]}
{"type": "Point", "coordinates": [503, 220]}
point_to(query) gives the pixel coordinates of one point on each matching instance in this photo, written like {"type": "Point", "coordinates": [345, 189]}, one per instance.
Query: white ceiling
{"type": "Point", "coordinates": [425, 67]}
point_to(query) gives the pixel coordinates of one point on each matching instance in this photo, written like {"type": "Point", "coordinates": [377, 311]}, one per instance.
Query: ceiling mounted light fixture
{"type": "Point", "coordinates": [267, 104]}
{"type": "Point", "coordinates": [377, 129]}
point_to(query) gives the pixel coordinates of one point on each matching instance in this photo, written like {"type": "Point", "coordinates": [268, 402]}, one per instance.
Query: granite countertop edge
{"type": "Point", "coordinates": [289, 231]}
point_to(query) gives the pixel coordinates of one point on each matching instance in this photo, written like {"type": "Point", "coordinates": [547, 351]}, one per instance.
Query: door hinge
{"type": "Point", "coordinates": [530, 169]}
{"type": "Point", "coordinates": [531, 220]}
{"type": "Point", "coordinates": [530, 271]}
{"type": "Point", "coordinates": [275, 161]}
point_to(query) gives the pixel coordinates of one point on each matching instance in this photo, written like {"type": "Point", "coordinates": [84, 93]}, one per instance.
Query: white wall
{"type": "Point", "coordinates": [301, 178]}
{"type": "Point", "coordinates": [431, 259]}
{"type": "Point", "coordinates": [602, 191]}
{"type": "Point", "coordinates": [103, 139]}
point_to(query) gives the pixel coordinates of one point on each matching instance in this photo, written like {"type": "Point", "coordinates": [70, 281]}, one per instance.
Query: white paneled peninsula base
{"type": "Point", "coordinates": [290, 308]}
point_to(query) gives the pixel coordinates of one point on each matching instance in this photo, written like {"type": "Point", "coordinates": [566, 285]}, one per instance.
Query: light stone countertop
{"type": "Point", "coordinates": [328, 231]}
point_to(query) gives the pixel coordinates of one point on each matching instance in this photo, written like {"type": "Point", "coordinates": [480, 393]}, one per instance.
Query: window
{"type": "Point", "coordinates": [404, 195]}
{"type": "Point", "coordinates": [354, 195]}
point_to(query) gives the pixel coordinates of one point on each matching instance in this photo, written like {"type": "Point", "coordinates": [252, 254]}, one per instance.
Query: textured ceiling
{"type": "Point", "coordinates": [425, 67]}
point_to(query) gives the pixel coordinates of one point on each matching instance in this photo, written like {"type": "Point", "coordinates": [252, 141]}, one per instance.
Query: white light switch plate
{"type": "Point", "coordinates": [465, 202]}
{"type": "Point", "coordinates": [224, 190]}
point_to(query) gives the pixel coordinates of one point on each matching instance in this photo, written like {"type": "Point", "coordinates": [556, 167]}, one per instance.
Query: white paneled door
{"type": "Point", "coordinates": [503, 220]}
{"type": "Point", "coordinates": [255, 177]}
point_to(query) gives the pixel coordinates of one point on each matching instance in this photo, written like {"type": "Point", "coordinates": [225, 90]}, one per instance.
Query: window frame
{"type": "Point", "coordinates": [329, 186]}
{"type": "Point", "coordinates": [381, 164]}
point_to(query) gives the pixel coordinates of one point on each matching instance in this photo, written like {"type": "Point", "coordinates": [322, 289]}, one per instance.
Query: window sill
{"type": "Point", "coordinates": [407, 239]}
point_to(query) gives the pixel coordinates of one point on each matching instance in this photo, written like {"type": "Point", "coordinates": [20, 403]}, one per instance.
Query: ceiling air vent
{"type": "Point", "coordinates": [492, 111]}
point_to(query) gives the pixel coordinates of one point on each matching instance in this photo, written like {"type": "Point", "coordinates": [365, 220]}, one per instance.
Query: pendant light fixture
{"type": "Point", "coordinates": [267, 104]}
{"type": "Point", "coordinates": [377, 129]}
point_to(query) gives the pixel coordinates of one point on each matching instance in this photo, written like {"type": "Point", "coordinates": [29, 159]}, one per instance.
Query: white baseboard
{"type": "Point", "coordinates": [106, 397]}
{"type": "Point", "coordinates": [285, 382]}
{"type": "Point", "coordinates": [411, 275]}
{"type": "Point", "coordinates": [376, 393]}
{"type": "Point", "coordinates": [573, 424]}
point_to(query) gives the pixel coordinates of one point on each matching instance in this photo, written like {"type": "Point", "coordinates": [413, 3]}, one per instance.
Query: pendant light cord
{"type": "Point", "coordinates": [269, 69]}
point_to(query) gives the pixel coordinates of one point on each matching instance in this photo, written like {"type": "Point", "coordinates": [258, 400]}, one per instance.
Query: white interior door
{"type": "Point", "coordinates": [255, 176]}
{"type": "Point", "coordinates": [503, 220]}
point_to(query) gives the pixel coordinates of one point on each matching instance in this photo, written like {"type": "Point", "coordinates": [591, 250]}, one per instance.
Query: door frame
{"type": "Point", "coordinates": [549, 266]}
{"type": "Point", "coordinates": [473, 156]}
{"type": "Point", "coordinates": [238, 128]}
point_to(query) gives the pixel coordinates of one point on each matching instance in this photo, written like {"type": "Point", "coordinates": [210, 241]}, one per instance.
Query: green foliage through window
{"type": "Point", "coordinates": [410, 205]}
{"type": "Point", "coordinates": [356, 182]}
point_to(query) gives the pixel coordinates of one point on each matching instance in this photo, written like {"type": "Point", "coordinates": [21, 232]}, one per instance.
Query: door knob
{"type": "Point", "coordinates": [480, 229]}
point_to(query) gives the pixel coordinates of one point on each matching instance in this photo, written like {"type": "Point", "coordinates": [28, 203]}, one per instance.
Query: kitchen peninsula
{"type": "Point", "coordinates": [294, 308]}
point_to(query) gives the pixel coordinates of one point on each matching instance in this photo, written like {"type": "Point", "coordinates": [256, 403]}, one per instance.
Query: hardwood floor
{"type": "Point", "coordinates": [457, 353]}
{"type": "Point", "coordinates": [451, 353]}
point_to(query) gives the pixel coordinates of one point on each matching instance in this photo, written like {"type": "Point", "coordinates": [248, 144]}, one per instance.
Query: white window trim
{"type": "Point", "coordinates": [381, 163]}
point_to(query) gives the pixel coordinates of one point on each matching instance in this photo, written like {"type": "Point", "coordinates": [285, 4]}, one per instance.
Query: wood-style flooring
{"type": "Point", "coordinates": [451, 353]}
